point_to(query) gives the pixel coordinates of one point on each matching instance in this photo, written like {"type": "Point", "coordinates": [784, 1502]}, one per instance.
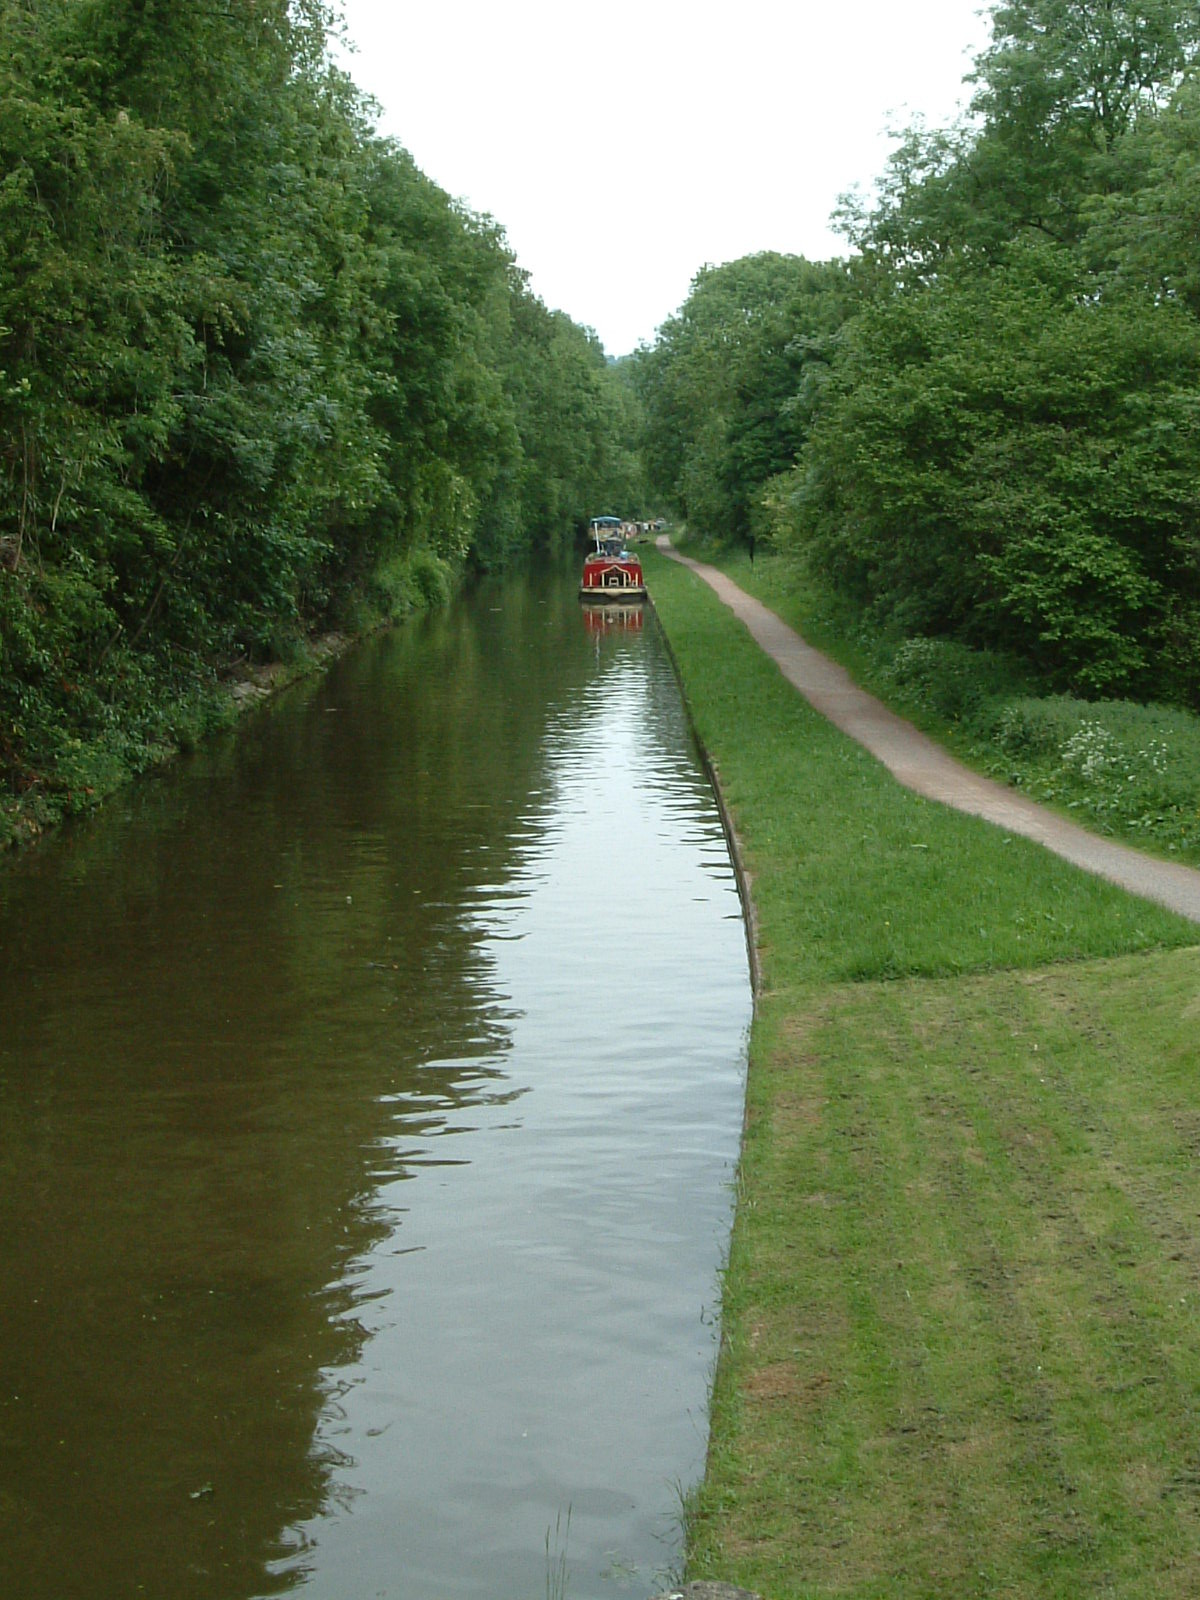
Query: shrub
{"type": "Point", "coordinates": [1131, 768]}
{"type": "Point", "coordinates": [417, 580]}
{"type": "Point", "coordinates": [1029, 726]}
{"type": "Point", "coordinates": [950, 679]}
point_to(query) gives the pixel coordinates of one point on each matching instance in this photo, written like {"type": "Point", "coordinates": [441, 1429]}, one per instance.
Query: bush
{"type": "Point", "coordinates": [1031, 727]}
{"type": "Point", "coordinates": [1131, 768]}
{"type": "Point", "coordinates": [950, 679]}
{"type": "Point", "coordinates": [418, 580]}
{"type": "Point", "coordinates": [432, 578]}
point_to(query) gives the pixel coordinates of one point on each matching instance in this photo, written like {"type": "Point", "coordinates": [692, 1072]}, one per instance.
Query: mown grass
{"type": "Point", "coordinates": [855, 877]}
{"type": "Point", "coordinates": [961, 1350]}
{"type": "Point", "coordinates": [1128, 770]}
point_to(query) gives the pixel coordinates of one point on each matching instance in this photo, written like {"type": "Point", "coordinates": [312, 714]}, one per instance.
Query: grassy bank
{"type": "Point", "coordinates": [1130, 771]}
{"type": "Point", "coordinates": [960, 1347]}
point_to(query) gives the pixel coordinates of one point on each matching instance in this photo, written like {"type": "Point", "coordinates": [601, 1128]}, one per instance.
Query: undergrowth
{"type": "Point", "coordinates": [74, 743]}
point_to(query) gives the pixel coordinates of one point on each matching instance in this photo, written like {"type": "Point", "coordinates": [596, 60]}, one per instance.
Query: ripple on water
{"type": "Point", "coordinates": [371, 1094]}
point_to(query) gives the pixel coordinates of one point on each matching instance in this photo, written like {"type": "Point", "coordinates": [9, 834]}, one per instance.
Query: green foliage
{"type": "Point", "coordinates": [1006, 460]}
{"type": "Point", "coordinates": [253, 364]}
{"type": "Point", "coordinates": [949, 679]}
{"type": "Point", "coordinates": [1133, 769]}
{"type": "Point", "coordinates": [413, 581]}
{"type": "Point", "coordinates": [723, 389]}
{"type": "Point", "coordinates": [1143, 230]}
{"type": "Point", "coordinates": [985, 430]}
{"type": "Point", "coordinates": [1060, 93]}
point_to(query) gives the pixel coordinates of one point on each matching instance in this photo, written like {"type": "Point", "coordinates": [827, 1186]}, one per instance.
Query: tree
{"type": "Point", "coordinates": [1011, 462]}
{"type": "Point", "coordinates": [720, 386]}
{"type": "Point", "coordinates": [1144, 232]}
{"type": "Point", "coordinates": [1062, 85]}
{"type": "Point", "coordinates": [250, 359]}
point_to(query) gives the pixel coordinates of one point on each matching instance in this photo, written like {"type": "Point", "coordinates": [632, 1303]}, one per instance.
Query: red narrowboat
{"type": "Point", "coordinates": [609, 571]}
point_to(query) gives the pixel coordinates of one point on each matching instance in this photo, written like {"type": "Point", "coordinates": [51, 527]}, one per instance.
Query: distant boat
{"type": "Point", "coordinates": [609, 571]}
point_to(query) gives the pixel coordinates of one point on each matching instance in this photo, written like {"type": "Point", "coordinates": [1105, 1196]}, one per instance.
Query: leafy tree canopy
{"type": "Point", "coordinates": [250, 359]}
{"type": "Point", "coordinates": [984, 427]}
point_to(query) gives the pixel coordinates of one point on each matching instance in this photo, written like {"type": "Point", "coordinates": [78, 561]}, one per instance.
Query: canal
{"type": "Point", "coordinates": [370, 1095]}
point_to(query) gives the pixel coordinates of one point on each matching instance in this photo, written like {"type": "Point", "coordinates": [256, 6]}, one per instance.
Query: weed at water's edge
{"type": "Point", "coordinates": [557, 1571]}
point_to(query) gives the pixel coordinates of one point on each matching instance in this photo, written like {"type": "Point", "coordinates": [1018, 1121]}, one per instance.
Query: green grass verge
{"type": "Point", "coordinates": [960, 1339]}
{"type": "Point", "coordinates": [961, 1323]}
{"type": "Point", "coordinates": [1128, 770]}
{"type": "Point", "coordinates": [854, 877]}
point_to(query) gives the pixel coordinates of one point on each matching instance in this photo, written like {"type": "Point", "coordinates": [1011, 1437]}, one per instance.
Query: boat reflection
{"type": "Point", "coordinates": [609, 616]}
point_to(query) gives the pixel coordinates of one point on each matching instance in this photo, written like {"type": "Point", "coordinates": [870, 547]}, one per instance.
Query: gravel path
{"type": "Point", "coordinates": [915, 761]}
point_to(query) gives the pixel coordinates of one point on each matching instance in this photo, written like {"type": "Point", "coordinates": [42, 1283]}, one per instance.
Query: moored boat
{"type": "Point", "coordinates": [609, 571]}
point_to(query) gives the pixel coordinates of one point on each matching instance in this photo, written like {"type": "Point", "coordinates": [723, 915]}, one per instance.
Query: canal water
{"type": "Point", "coordinates": [370, 1094]}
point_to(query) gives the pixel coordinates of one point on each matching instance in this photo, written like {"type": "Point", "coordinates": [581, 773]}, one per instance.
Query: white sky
{"type": "Point", "coordinates": [623, 146]}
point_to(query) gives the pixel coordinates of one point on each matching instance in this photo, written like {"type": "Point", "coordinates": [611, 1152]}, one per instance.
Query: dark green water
{"type": "Point", "coordinates": [370, 1089]}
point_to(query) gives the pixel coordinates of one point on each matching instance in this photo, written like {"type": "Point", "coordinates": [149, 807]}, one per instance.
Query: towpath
{"type": "Point", "coordinates": [923, 766]}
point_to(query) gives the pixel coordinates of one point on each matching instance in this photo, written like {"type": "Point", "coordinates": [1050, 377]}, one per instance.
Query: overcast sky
{"type": "Point", "coordinates": [623, 146]}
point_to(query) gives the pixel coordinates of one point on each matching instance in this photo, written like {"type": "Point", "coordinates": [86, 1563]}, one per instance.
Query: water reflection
{"type": "Point", "coordinates": [342, 1213]}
